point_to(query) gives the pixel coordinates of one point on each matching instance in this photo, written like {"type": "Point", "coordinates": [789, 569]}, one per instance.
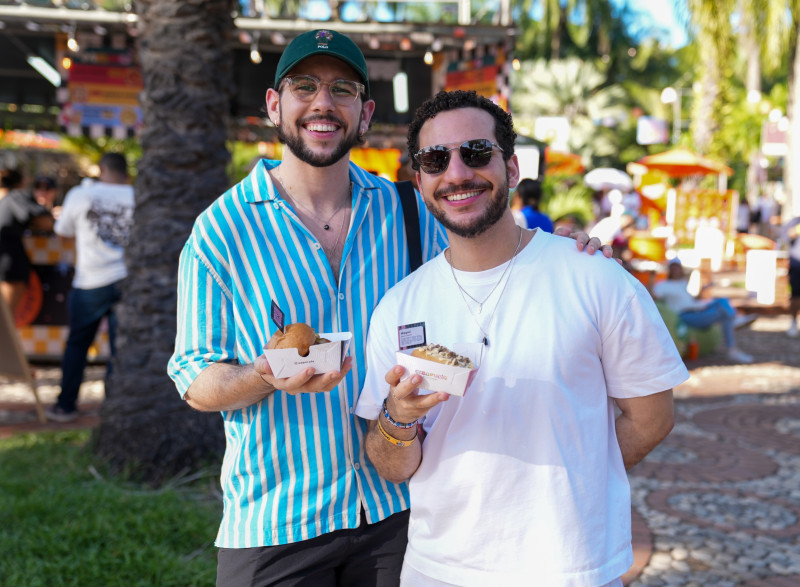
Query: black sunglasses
{"type": "Point", "coordinates": [474, 153]}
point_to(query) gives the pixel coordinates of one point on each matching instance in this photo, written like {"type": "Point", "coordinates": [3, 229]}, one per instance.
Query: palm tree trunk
{"type": "Point", "coordinates": [790, 167]}
{"type": "Point", "coordinates": [186, 59]}
{"type": "Point", "coordinates": [752, 52]}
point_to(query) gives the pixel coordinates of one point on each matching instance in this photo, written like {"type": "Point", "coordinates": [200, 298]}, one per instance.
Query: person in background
{"type": "Point", "coordinates": [790, 239]}
{"type": "Point", "coordinates": [530, 192]}
{"type": "Point", "coordinates": [45, 192]}
{"type": "Point", "coordinates": [521, 481]}
{"type": "Point", "coordinates": [743, 215]}
{"type": "Point", "coordinates": [322, 239]}
{"type": "Point", "coordinates": [768, 210]}
{"type": "Point", "coordinates": [702, 313]}
{"type": "Point", "coordinates": [19, 212]}
{"type": "Point", "coordinates": [516, 206]}
{"type": "Point", "coordinates": [98, 216]}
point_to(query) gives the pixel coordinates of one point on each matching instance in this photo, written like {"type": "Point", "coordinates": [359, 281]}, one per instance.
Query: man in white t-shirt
{"type": "Point", "coordinates": [98, 216]}
{"type": "Point", "coordinates": [522, 481]}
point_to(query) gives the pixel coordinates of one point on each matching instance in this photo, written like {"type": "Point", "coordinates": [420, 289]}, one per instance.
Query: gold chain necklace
{"type": "Point", "coordinates": [464, 292]}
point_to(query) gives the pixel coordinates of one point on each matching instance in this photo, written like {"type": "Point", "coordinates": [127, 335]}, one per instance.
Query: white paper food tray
{"type": "Point", "coordinates": [323, 357]}
{"type": "Point", "coordinates": [436, 376]}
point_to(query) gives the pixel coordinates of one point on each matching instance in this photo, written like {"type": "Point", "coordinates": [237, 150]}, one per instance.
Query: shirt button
{"type": "Point", "coordinates": [341, 296]}
{"type": "Point", "coordinates": [317, 246]}
{"type": "Point", "coordinates": [356, 466]}
{"type": "Point", "coordinates": [351, 410]}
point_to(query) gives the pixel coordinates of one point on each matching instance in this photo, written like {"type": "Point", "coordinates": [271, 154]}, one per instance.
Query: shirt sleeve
{"type": "Point", "coordinates": [639, 355]}
{"type": "Point", "coordinates": [205, 330]}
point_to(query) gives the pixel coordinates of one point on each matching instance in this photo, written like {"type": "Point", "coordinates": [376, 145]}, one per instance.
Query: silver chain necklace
{"type": "Point", "coordinates": [326, 224]}
{"type": "Point", "coordinates": [464, 292]}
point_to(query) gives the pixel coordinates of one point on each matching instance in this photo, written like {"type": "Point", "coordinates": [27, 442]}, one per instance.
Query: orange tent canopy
{"type": "Point", "coordinates": [562, 163]}
{"type": "Point", "coordinates": [680, 162]}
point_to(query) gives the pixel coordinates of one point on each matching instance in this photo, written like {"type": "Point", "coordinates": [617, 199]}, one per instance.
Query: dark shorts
{"type": "Point", "coordinates": [368, 556]}
{"type": "Point", "coordinates": [794, 277]}
{"type": "Point", "coordinates": [14, 264]}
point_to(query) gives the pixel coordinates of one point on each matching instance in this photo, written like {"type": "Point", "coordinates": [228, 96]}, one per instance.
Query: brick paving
{"type": "Point", "coordinates": [716, 504]}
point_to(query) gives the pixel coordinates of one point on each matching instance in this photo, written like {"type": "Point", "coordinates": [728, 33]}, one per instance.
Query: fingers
{"type": "Point", "coordinates": [562, 231]}
{"type": "Point", "coordinates": [307, 381]}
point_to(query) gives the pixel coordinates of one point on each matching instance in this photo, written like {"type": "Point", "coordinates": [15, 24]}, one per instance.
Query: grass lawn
{"type": "Point", "coordinates": [64, 523]}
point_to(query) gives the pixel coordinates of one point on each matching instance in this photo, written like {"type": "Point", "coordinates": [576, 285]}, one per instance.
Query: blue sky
{"type": "Point", "coordinates": [661, 13]}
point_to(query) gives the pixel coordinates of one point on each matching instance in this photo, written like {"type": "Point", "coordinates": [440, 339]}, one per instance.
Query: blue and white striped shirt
{"type": "Point", "coordinates": [295, 467]}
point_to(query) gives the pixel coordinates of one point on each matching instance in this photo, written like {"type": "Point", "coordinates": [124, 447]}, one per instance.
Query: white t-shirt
{"type": "Point", "coordinates": [99, 216]}
{"type": "Point", "coordinates": [523, 476]}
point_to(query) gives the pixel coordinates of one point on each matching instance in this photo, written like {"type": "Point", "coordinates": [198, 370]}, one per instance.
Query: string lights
{"type": "Point", "coordinates": [255, 55]}
{"type": "Point", "coordinates": [72, 42]}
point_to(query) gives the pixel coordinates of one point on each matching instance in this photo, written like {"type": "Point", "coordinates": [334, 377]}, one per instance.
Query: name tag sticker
{"type": "Point", "coordinates": [411, 336]}
{"type": "Point", "coordinates": [277, 316]}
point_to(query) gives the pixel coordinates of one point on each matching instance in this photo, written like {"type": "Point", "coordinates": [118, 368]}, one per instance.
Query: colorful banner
{"type": "Point", "coordinates": [81, 73]}
{"type": "Point", "coordinates": [103, 94]}
{"type": "Point", "coordinates": [100, 114]}
{"type": "Point", "coordinates": [481, 75]}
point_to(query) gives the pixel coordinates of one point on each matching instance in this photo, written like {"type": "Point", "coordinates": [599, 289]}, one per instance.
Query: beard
{"type": "Point", "coordinates": [491, 215]}
{"type": "Point", "coordinates": [302, 151]}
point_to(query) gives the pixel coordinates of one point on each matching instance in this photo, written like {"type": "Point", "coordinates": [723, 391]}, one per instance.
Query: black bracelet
{"type": "Point", "coordinates": [392, 421]}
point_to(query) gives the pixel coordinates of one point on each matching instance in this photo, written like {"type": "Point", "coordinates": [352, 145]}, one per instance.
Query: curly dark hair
{"type": "Point", "coordinates": [444, 101]}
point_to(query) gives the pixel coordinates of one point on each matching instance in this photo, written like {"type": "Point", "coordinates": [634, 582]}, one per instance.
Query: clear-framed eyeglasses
{"type": "Point", "coordinates": [306, 87]}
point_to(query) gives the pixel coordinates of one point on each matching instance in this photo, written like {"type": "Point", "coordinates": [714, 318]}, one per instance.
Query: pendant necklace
{"type": "Point", "coordinates": [464, 292]}
{"type": "Point", "coordinates": [326, 224]}
{"type": "Point", "coordinates": [332, 252]}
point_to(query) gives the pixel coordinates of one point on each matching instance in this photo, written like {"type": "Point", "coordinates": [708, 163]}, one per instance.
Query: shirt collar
{"type": "Point", "coordinates": [264, 190]}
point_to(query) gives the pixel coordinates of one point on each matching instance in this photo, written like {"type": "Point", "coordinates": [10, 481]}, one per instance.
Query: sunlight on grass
{"type": "Point", "coordinates": [63, 523]}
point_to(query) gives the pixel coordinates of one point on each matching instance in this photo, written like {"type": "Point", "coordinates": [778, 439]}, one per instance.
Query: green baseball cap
{"type": "Point", "coordinates": [323, 42]}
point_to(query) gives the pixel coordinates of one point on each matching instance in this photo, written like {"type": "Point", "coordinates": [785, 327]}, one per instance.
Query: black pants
{"type": "Point", "coordinates": [368, 556]}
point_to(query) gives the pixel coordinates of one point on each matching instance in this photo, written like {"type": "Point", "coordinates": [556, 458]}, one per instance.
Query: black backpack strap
{"type": "Point", "coordinates": [411, 218]}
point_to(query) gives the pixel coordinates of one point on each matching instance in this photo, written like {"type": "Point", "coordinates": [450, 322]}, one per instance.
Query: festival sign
{"type": "Point", "coordinates": [104, 87]}
{"type": "Point", "coordinates": [481, 75]}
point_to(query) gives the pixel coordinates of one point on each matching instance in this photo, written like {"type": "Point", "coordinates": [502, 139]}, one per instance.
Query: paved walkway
{"type": "Point", "coordinates": [716, 504]}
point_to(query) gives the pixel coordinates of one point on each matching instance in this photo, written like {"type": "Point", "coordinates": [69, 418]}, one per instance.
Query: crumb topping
{"type": "Point", "coordinates": [447, 356]}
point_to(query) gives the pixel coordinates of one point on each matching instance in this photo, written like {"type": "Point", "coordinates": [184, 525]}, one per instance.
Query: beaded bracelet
{"type": "Point", "coordinates": [393, 440]}
{"type": "Point", "coordinates": [393, 422]}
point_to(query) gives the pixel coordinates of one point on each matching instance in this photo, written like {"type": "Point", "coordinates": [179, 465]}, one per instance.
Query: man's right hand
{"type": "Point", "coordinates": [303, 382]}
{"type": "Point", "coordinates": [404, 402]}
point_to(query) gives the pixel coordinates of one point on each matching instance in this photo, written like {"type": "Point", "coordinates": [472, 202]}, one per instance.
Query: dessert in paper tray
{"type": "Point", "coordinates": [440, 368]}
{"type": "Point", "coordinates": [299, 347]}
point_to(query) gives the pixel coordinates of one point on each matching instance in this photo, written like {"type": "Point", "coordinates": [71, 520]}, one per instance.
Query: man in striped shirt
{"type": "Point", "coordinates": [324, 240]}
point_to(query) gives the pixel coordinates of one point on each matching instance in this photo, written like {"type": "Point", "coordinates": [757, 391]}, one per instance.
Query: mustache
{"type": "Point", "coordinates": [321, 118]}
{"type": "Point", "coordinates": [469, 185]}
